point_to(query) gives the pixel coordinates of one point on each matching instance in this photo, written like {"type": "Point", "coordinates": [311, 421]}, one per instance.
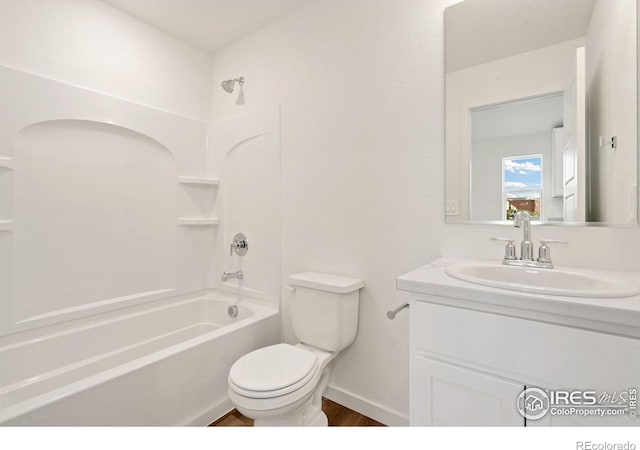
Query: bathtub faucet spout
{"type": "Point", "coordinates": [231, 275]}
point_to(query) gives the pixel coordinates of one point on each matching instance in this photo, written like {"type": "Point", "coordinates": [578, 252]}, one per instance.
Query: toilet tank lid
{"type": "Point", "coordinates": [326, 282]}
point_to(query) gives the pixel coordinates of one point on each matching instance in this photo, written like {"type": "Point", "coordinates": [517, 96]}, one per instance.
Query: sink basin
{"type": "Point", "coordinates": [562, 282]}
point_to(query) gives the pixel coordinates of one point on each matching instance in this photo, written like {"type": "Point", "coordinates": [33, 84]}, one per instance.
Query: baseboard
{"type": "Point", "coordinates": [210, 415]}
{"type": "Point", "coordinates": [352, 401]}
{"type": "Point", "coordinates": [367, 408]}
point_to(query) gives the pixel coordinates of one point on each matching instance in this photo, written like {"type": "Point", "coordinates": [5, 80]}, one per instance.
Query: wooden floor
{"type": "Point", "coordinates": [338, 416]}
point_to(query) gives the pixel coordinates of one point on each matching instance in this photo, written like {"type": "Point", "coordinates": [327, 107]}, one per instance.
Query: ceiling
{"type": "Point", "coordinates": [480, 31]}
{"type": "Point", "coordinates": [517, 118]}
{"type": "Point", "coordinates": [208, 24]}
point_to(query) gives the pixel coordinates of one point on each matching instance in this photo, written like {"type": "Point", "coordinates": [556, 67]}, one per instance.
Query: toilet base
{"type": "Point", "coordinates": [309, 415]}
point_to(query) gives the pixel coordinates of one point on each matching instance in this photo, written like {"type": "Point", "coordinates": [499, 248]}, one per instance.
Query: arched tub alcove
{"type": "Point", "coordinates": [94, 218]}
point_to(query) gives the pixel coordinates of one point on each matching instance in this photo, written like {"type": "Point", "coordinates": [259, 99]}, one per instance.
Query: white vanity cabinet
{"type": "Point", "coordinates": [446, 394]}
{"type": "Point", "coordinates": [474, 351]}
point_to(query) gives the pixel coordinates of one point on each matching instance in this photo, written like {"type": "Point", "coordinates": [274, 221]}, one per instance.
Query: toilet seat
{"type": "Point", "coordinates": [273, 371]}
{"type": "Point", "coordinates": [283, 405]}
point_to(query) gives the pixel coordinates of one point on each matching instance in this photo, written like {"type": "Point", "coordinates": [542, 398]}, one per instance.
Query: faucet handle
{"type": "Point", "coordinates": [239, 245]}
{"type": "Point", "coordinates": [509, 249]}
{"type": "Point", "coordinates": [553, 241]}
{"type": "Point", "coordinates": [501, 239]}
{"type": "Point", "coordinates": [544, 252]}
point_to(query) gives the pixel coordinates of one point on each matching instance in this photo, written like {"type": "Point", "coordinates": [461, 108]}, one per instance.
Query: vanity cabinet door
{"type": "Point", "coordinates": [449, 395]}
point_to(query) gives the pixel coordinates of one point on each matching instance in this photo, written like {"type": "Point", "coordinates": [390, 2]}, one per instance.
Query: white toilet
{"type": "Point", "coordinates": [282, 385]}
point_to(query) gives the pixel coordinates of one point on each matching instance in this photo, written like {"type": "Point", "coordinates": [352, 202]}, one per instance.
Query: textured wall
{"type": "Point", "coordinates": [611, 87]}
{"type": "Point", "coordinates": [93, 45]}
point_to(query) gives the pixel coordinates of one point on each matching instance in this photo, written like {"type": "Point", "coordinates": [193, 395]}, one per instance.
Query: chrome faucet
{"type": "Point", "coordinates": [232, 275]}
{"type": "Point", "coordinates": [523, 220]}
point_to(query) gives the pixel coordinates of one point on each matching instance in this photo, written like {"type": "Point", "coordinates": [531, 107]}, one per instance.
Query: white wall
{"type": "Point", "coordinates": [529, 74]}
{"type": "Point", "coordinates": [93, 45]}
{"type": "Point", "coordinates": [612, 96]}
{"type": "Point", "coordinates": [361, 83]}
{"type": "Point", "coordinates": [362, 177]}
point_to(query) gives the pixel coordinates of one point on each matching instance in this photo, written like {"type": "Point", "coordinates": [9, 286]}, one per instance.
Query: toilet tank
{"type": "Point", "coordinates": [324, 309]}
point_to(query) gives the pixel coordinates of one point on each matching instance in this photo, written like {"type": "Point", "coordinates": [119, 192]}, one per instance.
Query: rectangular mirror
{"type": "Point", "coordinates": [542, 111]}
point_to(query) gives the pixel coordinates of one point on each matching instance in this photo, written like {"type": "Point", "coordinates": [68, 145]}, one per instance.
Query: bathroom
{"type": "Point", "coordinates": [330, 157]}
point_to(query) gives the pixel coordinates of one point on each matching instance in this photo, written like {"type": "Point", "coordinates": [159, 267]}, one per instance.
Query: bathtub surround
{"type": "Point", "coordinates": [129, 160]}
{"type": "Point", "coordinates": [129, 312]}
{"type": "Point", "coordinates": [145, 98]}
{"type": "Point", "coordinates": [244, 153]}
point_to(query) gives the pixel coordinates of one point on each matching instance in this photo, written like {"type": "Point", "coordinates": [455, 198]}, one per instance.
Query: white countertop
{"type": "Point", "coordinates": [612, 315]}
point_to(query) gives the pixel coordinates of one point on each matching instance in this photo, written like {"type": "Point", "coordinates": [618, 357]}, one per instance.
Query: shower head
{"type": "Point", "coordinates": [228, 85]}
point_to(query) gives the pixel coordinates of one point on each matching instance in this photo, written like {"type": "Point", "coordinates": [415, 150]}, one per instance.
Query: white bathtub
{"type": "Point", "coordinates": [161, 364]}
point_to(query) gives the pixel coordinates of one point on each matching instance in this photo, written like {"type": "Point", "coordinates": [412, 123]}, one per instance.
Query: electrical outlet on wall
{"type": "Point", "coordinates": [452, 208]}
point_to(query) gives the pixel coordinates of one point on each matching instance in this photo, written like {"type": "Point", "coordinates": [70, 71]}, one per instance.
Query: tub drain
{"type": "Point", "coordinates": [232, 311]}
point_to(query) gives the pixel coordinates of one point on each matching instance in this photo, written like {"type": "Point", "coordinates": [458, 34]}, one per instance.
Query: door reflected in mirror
{"type": "Point", "coordinates": [542, 111]}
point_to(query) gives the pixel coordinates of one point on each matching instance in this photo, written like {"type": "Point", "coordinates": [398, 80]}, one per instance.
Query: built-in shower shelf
{"type": "Point", "coordinates": [6, 163]}
{"type": "Point", "coordinates": [199, 222]}
{"type": "Point", "coordinates": [6, 225]}
{"type": "Point", "coordinates": [199, 181]}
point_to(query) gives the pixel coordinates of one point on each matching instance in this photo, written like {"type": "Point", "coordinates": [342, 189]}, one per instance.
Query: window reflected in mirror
{"type": "Point", "coordinates": [522, 186]}
{"type": "Point", "coordinates": [552, 84]}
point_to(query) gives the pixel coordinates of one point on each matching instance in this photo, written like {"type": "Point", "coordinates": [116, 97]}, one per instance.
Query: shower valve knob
{"type": "Point", "coordinates": [240, 245]}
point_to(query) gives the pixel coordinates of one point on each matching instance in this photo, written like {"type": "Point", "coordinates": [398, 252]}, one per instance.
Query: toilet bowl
{"type": "Point", "coordinates": [282, 385]}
